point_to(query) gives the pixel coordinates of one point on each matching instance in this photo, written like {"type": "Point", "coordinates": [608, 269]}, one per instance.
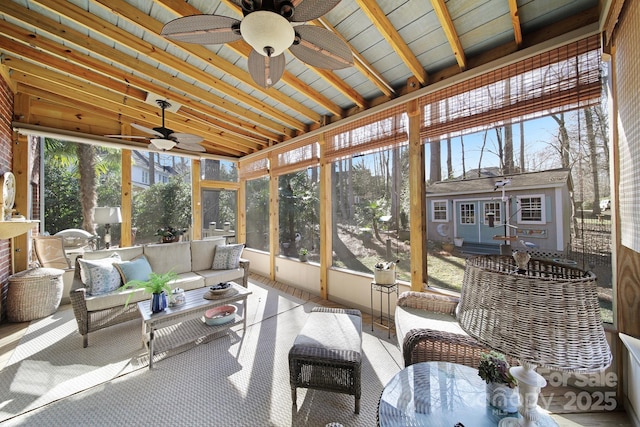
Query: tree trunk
{"type": "Point", "coordinates": [152, 168]}
{"type": "Point", "coordinates": [522, 168]}
{"type": "Point", "coordinates": [464, 167]}
{"type": "Point", "coordinates": [593, 157]}
{"type": "Point", "coordinates": [564, 140]}
{"type": "Point", "coordinates": [87, 160]}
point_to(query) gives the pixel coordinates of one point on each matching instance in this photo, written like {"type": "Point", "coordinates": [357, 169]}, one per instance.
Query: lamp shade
{"type": "Point", "coordinates": [107, 215]}
{"type": "Point", "coordinates": [267, 32]}
{"type": "Point", "coordinates": [548, 316]}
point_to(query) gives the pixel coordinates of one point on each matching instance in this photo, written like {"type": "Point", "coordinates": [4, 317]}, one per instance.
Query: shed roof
{"type": "Point", "coordinates": [531, 180]}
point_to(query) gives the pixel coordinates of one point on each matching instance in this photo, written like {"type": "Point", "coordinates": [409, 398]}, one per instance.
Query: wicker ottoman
{"type": "Point", "coordinates": [326, 355]}
{"type": "Point", "coordinates": [34, 294]}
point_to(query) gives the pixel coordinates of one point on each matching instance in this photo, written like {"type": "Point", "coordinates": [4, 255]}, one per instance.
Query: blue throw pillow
{"type": "Point", "coordinates": [136, 269]}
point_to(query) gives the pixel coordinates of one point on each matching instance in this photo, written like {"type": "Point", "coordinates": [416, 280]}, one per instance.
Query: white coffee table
{"type": "Point", "coordinates": [192, 310]}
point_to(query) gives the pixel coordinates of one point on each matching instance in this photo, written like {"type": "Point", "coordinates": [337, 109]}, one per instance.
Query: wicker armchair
{"type": "Point", "coordinates": [428, 331]}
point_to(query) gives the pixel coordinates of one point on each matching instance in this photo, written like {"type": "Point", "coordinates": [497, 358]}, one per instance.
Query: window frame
{"type": "Point", "coordinates": [498, 218]}
{"type": "Point", "coordinates": [433, 210]}
{"type": "Point", "coordinates": [461, 216]}
{"type": "Point", "coordinates": [543, 209]}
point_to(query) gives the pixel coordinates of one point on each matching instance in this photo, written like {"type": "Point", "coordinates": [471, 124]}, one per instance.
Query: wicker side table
{"type": "Point", "coordinates": [34, 294]}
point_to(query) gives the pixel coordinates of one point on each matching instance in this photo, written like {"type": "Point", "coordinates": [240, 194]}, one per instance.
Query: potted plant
{"type": "Point", "coordinates": [458, 241]}
{"type": "Point", "coordinates": [169, 234]}
{"type": "Point", "coordinates": [447, 246]}
{"type": "Point", "coordinates": [157, 285]}
{"type": "Point", "coordinates": [501, 385]}
{"type": "Point", "coordinates": [384, 273]}
{"type": "Point", "coordinates": [302, 253]}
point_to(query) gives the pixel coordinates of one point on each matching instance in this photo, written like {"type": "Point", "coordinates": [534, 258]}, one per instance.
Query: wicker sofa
{"type": "Point", "coordinates": [192, 261]}
{"type": "Point", "coordinates": [427, 330]}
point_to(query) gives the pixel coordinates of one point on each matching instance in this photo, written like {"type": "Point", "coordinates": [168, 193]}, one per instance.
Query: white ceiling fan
{"type": "Point", "coordinates": [270, 27]}
{"type": "Point", "coordinates": [164, 138]}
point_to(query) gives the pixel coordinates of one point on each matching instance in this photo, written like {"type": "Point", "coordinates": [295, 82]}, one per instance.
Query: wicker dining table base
{"type": "Point", "coordinates": [326, 355]}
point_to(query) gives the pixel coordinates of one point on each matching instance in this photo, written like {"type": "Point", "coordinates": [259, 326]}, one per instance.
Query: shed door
{"type": "Point", "coordinates": [486, 232]}
{"type": "Point", "coordinates": [467, 220]}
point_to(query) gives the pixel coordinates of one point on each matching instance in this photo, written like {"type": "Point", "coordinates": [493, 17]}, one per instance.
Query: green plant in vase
{"type": "Point", "coordinates": [501, 385]}
{"type": "Point", "coordinates": [157, 285]}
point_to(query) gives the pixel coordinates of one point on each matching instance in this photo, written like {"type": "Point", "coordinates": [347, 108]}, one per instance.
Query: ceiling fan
{"type": "Point", "coordinates": [270, 27]}
{"type": "Point", "coordinates": [164, 138]}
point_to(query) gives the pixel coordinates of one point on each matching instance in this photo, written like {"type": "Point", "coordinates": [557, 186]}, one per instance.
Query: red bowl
{"type": "Point", "coordinates": [220, 315]}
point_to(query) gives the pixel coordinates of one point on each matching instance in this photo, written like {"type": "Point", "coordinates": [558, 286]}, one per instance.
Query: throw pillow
{"type": "Point", "coordinates": [227, 257]}
{"type": "Point", "coordinates": [100, 276]}
{"type": "Point", "coordinates": [136, 269]}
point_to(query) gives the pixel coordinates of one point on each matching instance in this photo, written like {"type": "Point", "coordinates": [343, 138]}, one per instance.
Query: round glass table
{"type": "Point", "coordinates": [440, 394]}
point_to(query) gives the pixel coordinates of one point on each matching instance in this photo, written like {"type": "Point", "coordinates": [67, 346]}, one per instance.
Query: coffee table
{"type": "Point", "coordinates": [191, 311]}
{"type": "Point", "coordinates": [440, 394]}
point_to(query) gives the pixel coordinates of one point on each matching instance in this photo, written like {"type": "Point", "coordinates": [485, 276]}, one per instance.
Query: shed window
{"type": "Point", "coordinates": [531, 209]}
{"type": "Point", "coordinates": [494, 208]}
{"type": "Point", "coordinates": [467, 213]}
{"type": "Point", "coordinates": [440, 211]}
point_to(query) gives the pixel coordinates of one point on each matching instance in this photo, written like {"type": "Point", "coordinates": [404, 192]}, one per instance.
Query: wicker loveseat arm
{"type": "Point", "coordinates": [245, 264]}
{"type": "Point", "coordinates": [429, 302]}
{"type": "Point", "coordinates": [427, 345]}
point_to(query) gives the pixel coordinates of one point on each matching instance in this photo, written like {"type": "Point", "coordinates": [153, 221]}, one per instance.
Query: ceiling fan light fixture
{"type": "Point", "coordinates": [163, 144]}
{"type": "Point", "coordinates": [268, 33]}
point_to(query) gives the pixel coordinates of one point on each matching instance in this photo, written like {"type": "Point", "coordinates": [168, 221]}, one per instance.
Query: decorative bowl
{"type": "Point", "coordinates": [220, 288]}
{"type": "Point", "coordinates": [220, 315]}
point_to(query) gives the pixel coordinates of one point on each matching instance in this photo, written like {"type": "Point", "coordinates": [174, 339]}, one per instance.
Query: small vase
{"type": "Point", "coordinates": [158, 302]}
{"type": "Point", "coordinates": [503, 397]}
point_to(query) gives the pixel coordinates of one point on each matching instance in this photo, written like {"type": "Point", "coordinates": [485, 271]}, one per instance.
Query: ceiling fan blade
{"type": "Point", "coordinates": [146, 130]}
{"type": "Point", "coordinates": [186, 137]}
{"type": "Point", "coordinates": [190, 147]}
{"type": "Point", "coordinates": [163, 143]}
{"type": "Point", "coordinates": [203, 29]}
{"type": "Point", "coordinates": [321, 48]}
{"type": "Point", "coordinates": [264, 70]}
{"type": "Point", "coordinates": [308, 10]}
{"type": "Point", "coordinates": [127, 136]}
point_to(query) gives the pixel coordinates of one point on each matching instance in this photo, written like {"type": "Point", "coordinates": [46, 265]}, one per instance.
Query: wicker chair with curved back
{"type": "Point", "coordinates": [50, 252]}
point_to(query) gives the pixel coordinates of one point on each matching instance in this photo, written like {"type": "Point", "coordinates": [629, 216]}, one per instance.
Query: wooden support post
{"type": "Point", "coordinates": [417, 208]}
{"type": "Point", "coordinates": [274, 224]}
{"type": "Point", "coordinates": [22, 171]}
{"type": "Point", "coordinates": [126, 238]}
{"type": "Point", "coordinates": [196, 201]}
{"type": "Point", "coordinates": [241, 232]}
{"type": "Point", "coordinates": [326, 221]}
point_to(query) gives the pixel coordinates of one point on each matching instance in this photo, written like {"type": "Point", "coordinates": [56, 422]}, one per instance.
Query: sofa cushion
{"type": "Point", "coordinates": [100, 276]}
{"type": "Point", "coordinates": [213, 277]}
{"type": "Point", "coordinates": [165, 257]}
{"type": "Point", "coordinates": [126, 254]}
{"type": "Point", "coordinates": [187, 281]}
{"type": "Point", "coordinates": [202, 253]}
{"type": "Point", "coordinates": [115, 299]}
{"type": "Point", "coordinates": [136, 269]}
{"type": "Point", "coordinates": [227, 257]}
{"type": "Point", "coordinates": [408, 318]}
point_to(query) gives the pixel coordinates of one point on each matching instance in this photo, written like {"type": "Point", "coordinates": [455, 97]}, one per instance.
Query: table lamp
{"type": "Point", "coordinates": [546, 316]}
{"type": "Point", "coordinates": [107, 216]}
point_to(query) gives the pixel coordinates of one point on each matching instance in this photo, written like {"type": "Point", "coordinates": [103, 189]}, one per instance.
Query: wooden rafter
{"type": "Point", "coordinates": [515, 21]}
{"type": "Point", "coordinates": [450, 32]}
{"type": "Point", "coordinates": [388, 31]}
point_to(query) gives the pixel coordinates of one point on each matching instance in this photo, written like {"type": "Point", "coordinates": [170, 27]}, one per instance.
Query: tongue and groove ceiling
{"type": "Point", "coordinates": [96, 66]}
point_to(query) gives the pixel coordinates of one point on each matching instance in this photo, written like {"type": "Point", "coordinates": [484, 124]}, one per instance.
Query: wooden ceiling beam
{"type": "Point", "coordinates": [450, 32]}
{"type": "Point", "coordinates": [360, 62]}
{"type": "Point", "coordinates": [388, 31]}
{"type": "Point", "coordinates": [109, 53]}
{"type": "Point", "coordinates": [515, 22]}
